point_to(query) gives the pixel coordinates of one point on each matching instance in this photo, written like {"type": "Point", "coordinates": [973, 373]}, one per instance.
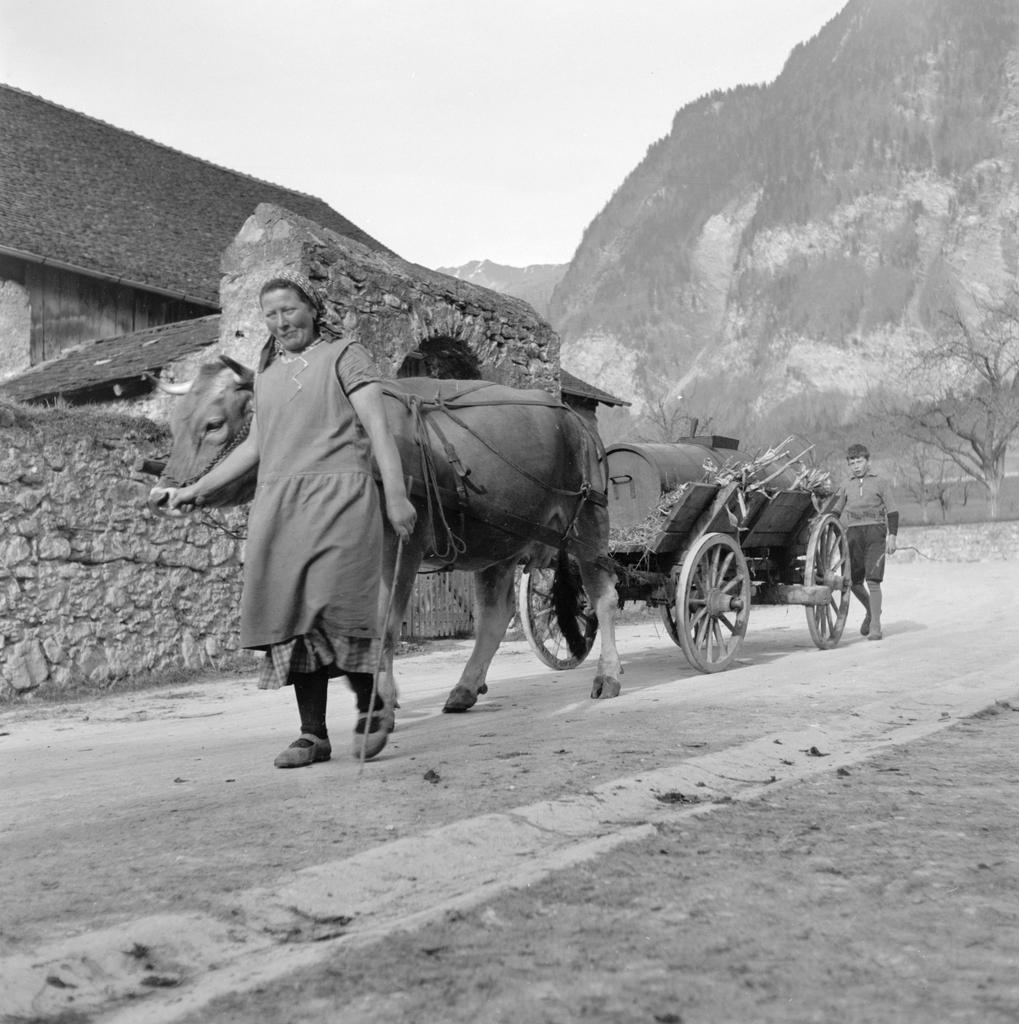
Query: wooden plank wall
{"type": "Point", "coordinates": [442, 605]}
{"type": "Point", "coordinates": [69, 309]}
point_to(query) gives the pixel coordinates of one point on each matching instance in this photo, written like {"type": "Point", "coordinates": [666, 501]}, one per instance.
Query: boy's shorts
{"type": "Point", "coordinates": [867, 552]}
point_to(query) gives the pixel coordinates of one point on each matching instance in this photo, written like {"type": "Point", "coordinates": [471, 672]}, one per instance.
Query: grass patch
{"type": "Point", "coordinates": [94, 422]}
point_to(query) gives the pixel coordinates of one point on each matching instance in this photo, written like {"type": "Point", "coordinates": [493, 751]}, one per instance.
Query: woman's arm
{"type": "Point", "coordinates": [240, 461]}
{"type": "Point", "coordinates": [367, 403]}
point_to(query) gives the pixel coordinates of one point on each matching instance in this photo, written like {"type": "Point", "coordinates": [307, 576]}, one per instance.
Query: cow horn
{"type": "Point", "coordinates": [181, 388]}
{"type": "Point", "coordinates": [245, 377]}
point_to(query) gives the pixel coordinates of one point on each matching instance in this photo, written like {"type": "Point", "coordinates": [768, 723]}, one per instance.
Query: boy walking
{"type": "Point", "coordinates": [871, 527]}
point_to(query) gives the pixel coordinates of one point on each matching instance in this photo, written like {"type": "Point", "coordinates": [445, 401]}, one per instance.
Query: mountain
{"type": "Point", "coordinates": [533, 284]}
{"type": "Point", "coordinates": [789, 247]}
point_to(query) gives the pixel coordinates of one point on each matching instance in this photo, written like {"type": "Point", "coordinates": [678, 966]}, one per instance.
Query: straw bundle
{"type": "Point", "coordinates": [641, 534]}
{"type": "Point", "coordinates": [760, 471]}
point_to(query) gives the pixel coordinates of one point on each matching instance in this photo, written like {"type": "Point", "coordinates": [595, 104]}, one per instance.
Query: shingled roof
{"type": "Point", "coordinates": [90, 372]}
{"type": "Point", "coordinates": [571, 385]}
{"type": "Point", "coordinates": [81, 192]}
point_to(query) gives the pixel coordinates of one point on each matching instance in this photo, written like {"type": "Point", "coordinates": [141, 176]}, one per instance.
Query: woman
{"type": "Point", "coordinates": [313, 556]}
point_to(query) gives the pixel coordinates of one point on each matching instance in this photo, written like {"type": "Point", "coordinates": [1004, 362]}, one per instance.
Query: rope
{"type": "Point", "coordinates": [223, 452]}
{"type": "Point", "coordinates": [454, 545]}
{"type": "Point", "coordinates": [509, 462]}
{"type": "Point", "coordinates": [382, 653]}
{"type": "Point", "coordinates": [214, 524]}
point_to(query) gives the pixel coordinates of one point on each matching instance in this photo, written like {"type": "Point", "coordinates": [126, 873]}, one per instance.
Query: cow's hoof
{"type": "Point", "coordinates": [461, 699]}
{"type": "Point", "coordinates": [372, 733]}
{"type": "Point", "coordinates": [604, 687]}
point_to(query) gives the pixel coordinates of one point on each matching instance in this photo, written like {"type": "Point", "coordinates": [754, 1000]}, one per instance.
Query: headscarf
{"type": "Point", "coordinates": [297, 281]}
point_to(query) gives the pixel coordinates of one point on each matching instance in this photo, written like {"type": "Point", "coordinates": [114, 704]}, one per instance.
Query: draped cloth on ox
{"type": "Point", "coordinates": [313, 554]}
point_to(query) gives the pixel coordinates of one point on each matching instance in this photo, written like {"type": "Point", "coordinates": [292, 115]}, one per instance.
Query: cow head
{"type": "Point", "coordinates": [212, 415]}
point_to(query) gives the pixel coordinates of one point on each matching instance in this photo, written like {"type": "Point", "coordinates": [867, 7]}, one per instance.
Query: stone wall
{"type": "Point", "coordinates": [966, 542]}
{"type": "Point", "coordinates": [95, 589]}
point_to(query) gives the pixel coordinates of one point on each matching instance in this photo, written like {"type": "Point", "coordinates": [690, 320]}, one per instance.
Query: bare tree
{"type": "Point", "coordinates": [968, 391]}
{"type": "Point", "coordinates": [923, 471]}
{"type": "Point", "coordinates": [665, 420]}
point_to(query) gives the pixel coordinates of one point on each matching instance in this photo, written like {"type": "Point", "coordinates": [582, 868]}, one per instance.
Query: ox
{"type": "Point", "coordinates": [499, 477]}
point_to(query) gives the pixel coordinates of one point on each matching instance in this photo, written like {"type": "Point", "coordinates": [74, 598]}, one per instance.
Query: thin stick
{"type": "Point", "coordinates": [382, 653]}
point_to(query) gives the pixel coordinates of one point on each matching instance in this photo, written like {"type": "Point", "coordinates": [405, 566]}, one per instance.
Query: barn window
{"type": "Point", "coordinates": [443, 358]}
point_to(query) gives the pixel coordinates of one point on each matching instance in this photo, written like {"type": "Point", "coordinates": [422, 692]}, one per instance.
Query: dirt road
{"type": "Point", "coordinates": [507, 864]}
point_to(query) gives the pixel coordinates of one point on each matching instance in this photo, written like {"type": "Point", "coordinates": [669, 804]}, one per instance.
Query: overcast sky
{"type": "Point", "coordinates": [450, 130]}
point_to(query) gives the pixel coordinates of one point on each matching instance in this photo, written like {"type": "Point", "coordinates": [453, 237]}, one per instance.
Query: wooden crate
{"type": "Point", "coordinates": [442, 605]}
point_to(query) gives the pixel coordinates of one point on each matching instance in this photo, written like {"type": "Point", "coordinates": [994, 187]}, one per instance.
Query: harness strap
{"type": "Point", "coordinates": [453, 458]}
{"type": "Point", "coordinates": [509, 462]}
{"type": "Point", "coordinates": [430, 489]}
{"type": "Point", "coordinates": [472, 395]}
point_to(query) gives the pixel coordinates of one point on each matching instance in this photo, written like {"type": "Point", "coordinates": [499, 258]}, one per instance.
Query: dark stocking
{"type": "Point", "coordinates": [311, 690]}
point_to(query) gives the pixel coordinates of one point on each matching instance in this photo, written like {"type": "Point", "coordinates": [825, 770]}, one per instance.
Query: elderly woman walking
{"type": "Point", "coordinates": [313, 557]}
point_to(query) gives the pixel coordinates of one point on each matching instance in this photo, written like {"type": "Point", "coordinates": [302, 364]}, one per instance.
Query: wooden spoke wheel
{"type": "Point", "coordinates": [538, 619]}
{"type": "Point", "coordinates": [827, 563]}
{"type": "Point", "coordinates": [713, 602]}
{"type": "Point", "coordinates": [669, 619]}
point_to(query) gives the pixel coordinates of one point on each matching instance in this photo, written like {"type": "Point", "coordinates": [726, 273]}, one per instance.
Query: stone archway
{"type": "Point", "coordinates": [441, 357]}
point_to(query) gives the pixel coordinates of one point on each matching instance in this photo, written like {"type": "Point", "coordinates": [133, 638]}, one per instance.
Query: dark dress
{"type": "Point", "coordinates": [312, 561]}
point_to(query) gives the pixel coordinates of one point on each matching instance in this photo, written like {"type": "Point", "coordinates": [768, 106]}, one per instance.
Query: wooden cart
{"type": "Point", "coordinates": [720, 549]}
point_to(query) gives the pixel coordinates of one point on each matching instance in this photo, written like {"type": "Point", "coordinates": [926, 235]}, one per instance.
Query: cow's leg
{"type": "Point", "coordinates": [600, 584]}
{"type": "Point", "coordinates": [492, 612]}
{"type": "Point", "coordinates": [400, 587]}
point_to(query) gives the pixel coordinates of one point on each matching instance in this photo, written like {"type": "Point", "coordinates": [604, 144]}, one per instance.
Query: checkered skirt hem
{"type": "Point", "coordinates": [315, 651]}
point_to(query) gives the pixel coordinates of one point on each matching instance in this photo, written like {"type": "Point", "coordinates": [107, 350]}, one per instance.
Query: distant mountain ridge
{"type": "Point", "coordinates": [789, 247]}
{"type": "Point", "coordinates": [534, 284]}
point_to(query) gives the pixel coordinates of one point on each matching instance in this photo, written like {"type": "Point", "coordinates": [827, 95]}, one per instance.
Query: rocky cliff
{"type": "Point", "coordinates": [788, 248]}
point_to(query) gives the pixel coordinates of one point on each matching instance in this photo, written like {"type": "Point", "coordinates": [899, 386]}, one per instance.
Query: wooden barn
{"type": "Point", "coordinates": [104, 232]}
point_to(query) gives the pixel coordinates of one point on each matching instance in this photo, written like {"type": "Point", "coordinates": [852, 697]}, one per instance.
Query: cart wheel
{"type": "Point", "coordinates": [537, 617]}
{"type": "Point", "coordinates": [669, 619]}
{"type": "Point", "coordinates": [713, 602]}
{"type": "Point", "coordinates": [827, 563]}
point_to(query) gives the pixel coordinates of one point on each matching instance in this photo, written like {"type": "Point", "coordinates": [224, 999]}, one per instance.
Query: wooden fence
{"type": "Point", "coordinates": [442, 605]}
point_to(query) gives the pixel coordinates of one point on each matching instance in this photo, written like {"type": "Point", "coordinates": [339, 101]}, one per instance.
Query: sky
{"type": "Point", "coordinates": [450, 130]}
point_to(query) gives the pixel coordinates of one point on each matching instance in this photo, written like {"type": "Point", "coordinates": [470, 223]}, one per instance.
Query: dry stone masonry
{"type": "Point", "coordinates": [95, 589]}
{"type": "Point", "coordinates": [392, 307]}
